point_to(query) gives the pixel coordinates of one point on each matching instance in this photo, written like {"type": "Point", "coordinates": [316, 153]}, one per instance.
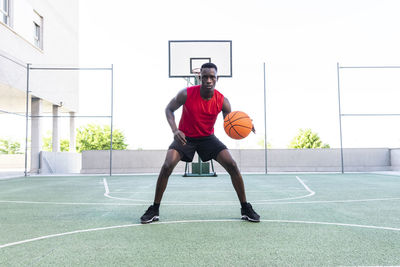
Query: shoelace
{"type": "Point", "coordinates": [149, 210]}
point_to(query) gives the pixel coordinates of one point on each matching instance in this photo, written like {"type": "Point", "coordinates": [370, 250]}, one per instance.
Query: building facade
{"type": "Point", "coordinates": [38, 34]}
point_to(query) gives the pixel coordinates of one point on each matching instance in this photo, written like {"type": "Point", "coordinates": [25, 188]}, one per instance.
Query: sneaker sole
{"type": "Point", "coordinates": [154, 219]}
{"type": "Point", "coordinates": [247, 218]}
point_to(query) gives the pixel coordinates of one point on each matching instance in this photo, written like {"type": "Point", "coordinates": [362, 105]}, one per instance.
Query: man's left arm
{"type": "Point", "coordinates": [226, 109]}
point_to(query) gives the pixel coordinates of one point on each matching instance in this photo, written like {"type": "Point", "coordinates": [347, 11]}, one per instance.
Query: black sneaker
{"type": "Point", "coordinates": [249, 214]}
{"type": "Point", "coordinates": [151, 215]}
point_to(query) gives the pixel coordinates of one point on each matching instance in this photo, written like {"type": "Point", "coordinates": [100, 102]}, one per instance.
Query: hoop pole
{"type": "Point", "coordinates": [112, 115]}
{"type": "Point", "coordinates": [26, 119]}
{"type": "Point", "coordinates": [340, 118]}
{"type": "Point", "coordinates": [265, 123]}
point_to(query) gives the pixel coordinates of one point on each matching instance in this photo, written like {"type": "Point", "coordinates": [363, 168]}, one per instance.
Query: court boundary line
{"type": "Point", "coordinates": [193, 221]}
{"type": "Point", "coordinates": [206, 191]}
{"type": "Point", "coordinates": [199, 204]}
{"type": "Point", "coordinates": [71, 203]}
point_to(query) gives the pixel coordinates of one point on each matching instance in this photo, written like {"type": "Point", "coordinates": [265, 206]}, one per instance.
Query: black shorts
{"type": "Point", "coordinates": [207, 147]}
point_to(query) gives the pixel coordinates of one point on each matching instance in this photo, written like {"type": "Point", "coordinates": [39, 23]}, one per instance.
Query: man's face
{"type": "Point", "coordinates": [208, 78]}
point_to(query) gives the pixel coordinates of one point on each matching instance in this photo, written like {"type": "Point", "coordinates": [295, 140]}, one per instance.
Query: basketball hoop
{"type": "Point", "coordinates": [196, 72]}
{"type": "Point", "coordinates": [195, 75]}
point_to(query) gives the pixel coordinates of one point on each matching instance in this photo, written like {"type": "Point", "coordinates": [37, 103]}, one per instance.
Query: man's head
{"type": "Point", "coordinates": [208, 76]}
{"type": "Point", "coordinates": [209, 66]}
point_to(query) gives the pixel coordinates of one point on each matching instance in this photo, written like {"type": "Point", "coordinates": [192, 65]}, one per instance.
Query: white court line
{"type": "Point", "coordinates": [334, 201]}
{"type": "Point", "coordinates": [193, 221]}
{"type": "Point", "coordinates": [106, 187]}
{"type": "Point", "coordinates": [208, 191]}
{"type": "Point", "coordinates": [305, 186]}
{"type": "Point", "coordinates": [71, 203]}
{"type": "Point", "coordinates": [198, 204]}
{"type": "Point", "coordinates": [311, 193]}
{"type": "Point", "coordinates": [107, 193]}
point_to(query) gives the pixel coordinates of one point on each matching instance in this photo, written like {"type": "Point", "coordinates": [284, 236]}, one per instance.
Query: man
{"type": "Point", "coordinates": [201, 106]}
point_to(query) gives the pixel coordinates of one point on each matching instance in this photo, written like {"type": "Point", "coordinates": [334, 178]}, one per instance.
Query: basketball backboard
{"type": "Point", "coordinates": [184, 56]}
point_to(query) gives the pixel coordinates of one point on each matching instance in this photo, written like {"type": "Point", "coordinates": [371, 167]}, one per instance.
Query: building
{"type": "Point", "coordinates": [43, 34]}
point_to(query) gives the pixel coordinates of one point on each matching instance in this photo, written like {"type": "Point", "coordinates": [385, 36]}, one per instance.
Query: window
{"type": "Point", "coordinates": [36, 36]}
{"type": "Point", "coordinates": [38, 30]}
{"type": "Point", "coordinates": [4, 11]}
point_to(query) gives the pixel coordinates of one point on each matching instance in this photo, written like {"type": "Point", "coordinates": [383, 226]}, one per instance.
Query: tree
{"type": "Point", "coordinates": [307, 139]}
{"type": "Point", "coordinates": [261, 143]}
{"type": "Point", "coordinates": [48, 143]}
{"type": "Point", "coordinates": [8, 146]}
{"type": "Point", "coordinates": [96, 137]}
{"type": "Point", "coordinates": [64, 145]}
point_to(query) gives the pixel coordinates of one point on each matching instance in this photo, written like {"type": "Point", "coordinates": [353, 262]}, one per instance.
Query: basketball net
{"type": "Point", "coordinates": [196, 72]}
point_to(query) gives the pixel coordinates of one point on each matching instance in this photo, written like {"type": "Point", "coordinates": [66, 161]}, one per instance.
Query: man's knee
{"type": "Point", "coordinates": [231, 166]}
{"type": "Point", "coordinates": [171, 160]}
{"type": "Point", "coordinates": [168, 166]}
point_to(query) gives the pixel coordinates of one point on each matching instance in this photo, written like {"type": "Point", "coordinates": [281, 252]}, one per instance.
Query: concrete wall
{"type": "Point", "coordinates": [59, 162]}
{"type": "Point", "coordinates": [125, 161]}
{"type": "Point", "coordinates": [315, 160]}
{"type": "Point", "coordinates": [250, 160]}
{"type": "Point", "coordinates": [395, 159]}
{"type": "Point", "coordinates": [49, 163]}
{"type": "Point", "coordinates": [12, 162]}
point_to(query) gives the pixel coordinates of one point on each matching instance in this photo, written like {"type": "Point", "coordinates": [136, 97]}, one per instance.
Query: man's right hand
{"type": "Point", "coordinates": [180, 137]}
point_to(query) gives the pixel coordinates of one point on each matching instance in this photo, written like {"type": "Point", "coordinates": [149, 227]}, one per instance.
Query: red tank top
{"type": "Point", "coordinates": [199, 115]}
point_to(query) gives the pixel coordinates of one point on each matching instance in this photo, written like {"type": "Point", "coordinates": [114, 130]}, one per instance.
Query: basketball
{"type": "Point", "coordinates": [237, 125]}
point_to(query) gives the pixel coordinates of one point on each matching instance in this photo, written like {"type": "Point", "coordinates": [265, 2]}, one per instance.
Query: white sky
{"type": "Point", "coordinates": [300, 41]}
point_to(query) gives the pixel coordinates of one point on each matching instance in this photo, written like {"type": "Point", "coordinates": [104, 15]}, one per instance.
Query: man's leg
{"type": "Point", "coordinates": [171, 160]}
{"type": "Point", "coordinates": [225, 159]}
{"type": "Point", "coordinates": [152, 213]}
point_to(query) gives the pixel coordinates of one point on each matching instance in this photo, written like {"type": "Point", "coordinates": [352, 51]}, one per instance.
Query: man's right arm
{"type": "Point", "coordinates": [173, 105]}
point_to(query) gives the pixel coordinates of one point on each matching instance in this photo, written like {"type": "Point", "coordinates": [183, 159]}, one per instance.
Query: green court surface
{"type": "Point", "coordinates": [307, 220]}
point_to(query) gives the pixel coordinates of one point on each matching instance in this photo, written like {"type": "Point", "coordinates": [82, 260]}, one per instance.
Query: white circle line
{"type": "Point", "coordinates": [310, 193]}
{"type": "Point", "coordinates": [193, 221]}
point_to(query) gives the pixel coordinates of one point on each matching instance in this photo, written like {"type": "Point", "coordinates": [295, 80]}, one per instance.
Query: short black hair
{"type": "Point", "coordinates": [209, 65]}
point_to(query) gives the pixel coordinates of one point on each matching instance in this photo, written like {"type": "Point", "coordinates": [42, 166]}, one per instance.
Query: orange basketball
{"type": "Point", "coordinates": [237, 125]}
